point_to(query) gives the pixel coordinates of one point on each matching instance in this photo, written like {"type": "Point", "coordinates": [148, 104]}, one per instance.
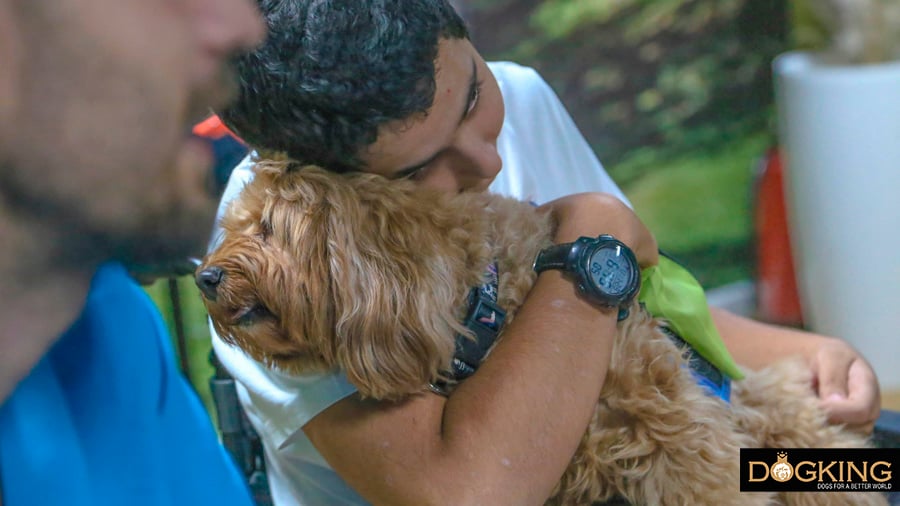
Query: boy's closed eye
{"type": "Point", "coordinates": [475, 86]}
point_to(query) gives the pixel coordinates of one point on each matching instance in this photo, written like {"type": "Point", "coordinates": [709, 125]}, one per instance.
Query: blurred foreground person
{"type": "Point", "coordinates": [98, 173]}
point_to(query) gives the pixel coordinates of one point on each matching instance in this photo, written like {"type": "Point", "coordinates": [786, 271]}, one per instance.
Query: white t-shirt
{"type": "Point", "coordinates": [544, 157]}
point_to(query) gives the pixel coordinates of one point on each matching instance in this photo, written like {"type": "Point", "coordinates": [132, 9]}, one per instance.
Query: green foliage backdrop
{"type": "Point", "coordinates": [675, 96]}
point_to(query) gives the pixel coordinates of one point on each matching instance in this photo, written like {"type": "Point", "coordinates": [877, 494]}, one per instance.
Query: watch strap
{"type": "Point", "coordinates": [553, 257]}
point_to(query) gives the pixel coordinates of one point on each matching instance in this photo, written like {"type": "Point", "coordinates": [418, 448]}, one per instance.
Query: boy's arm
{"type": "Point", "coordinates": [843, 380]}
{"type": "Point", "coordinates": [507, 433]}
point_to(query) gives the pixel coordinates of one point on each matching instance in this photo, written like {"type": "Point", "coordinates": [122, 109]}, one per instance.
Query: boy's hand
{"type": "Point", "coordinates": [846, 385]}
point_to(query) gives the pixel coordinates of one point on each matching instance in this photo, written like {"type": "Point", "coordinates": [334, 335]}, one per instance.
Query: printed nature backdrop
{"type": "Point", "coordinates": [675, 96]}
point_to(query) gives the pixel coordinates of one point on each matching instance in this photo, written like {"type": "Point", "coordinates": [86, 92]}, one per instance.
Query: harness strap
{"type": "Point", "coordinates": [484, 319]}
{"type": "Point", "coordinates": [703, 370]}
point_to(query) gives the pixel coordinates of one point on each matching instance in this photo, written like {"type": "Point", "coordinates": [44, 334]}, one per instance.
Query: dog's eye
{"type": "Point", "coordinates": [265, 229]}
{"type": "Point", "coordinates": [252, 315]}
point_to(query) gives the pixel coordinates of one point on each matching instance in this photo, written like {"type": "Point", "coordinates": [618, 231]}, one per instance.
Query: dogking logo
{"type": "Point", "coordinates": [817, 470]}
{"type": "Point", "coordinates": [781, 471]}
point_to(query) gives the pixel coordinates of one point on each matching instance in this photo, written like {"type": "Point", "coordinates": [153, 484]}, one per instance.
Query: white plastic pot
{"type": "Point", "coordinates": [839, 129]}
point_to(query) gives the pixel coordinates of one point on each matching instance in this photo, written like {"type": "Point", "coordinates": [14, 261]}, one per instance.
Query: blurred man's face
{"type": "Point", "coordinates": [96, 100]}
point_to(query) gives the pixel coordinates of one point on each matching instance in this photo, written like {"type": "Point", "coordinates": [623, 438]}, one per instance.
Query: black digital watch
{"type": "Point", "coordinates": [604, 269]}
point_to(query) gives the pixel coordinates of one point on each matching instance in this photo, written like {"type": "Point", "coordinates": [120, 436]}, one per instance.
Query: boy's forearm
{"type": "Point", "coordinates": [504, 436]}
{"type": "Point", "coordinates": [755, 345]}
{"type": "Point", "coordinates": [539, 388]}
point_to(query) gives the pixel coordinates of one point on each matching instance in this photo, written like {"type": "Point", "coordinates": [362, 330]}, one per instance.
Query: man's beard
{"type": "Point", "coordinates": [76, 241]}
{"type": "Point", "coordinates": [157, 235]}
{"type": "Point", "coordinates": [165, 244]}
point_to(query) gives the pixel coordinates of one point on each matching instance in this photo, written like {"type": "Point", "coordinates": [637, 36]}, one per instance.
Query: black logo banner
{"type": "Point", "coordinates": [819, 470]}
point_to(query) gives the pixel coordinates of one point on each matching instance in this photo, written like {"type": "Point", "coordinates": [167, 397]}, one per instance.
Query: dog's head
{"type": "Point", "coordinates": [317, 271]}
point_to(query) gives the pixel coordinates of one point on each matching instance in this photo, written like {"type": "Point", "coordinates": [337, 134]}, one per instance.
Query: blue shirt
{"type": "Point", "coordinates": [106, 418]}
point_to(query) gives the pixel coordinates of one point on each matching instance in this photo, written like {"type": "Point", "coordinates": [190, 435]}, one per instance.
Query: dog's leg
{"type": "Point", "coordinates": [778, 409]}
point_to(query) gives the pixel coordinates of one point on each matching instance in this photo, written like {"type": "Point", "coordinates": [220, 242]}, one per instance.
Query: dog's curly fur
{"type": "Point", "coordinates": [322, 271]}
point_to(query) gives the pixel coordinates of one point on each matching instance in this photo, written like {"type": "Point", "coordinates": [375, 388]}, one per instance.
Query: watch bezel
{"type": "Point", "coordinates": [583, 250]}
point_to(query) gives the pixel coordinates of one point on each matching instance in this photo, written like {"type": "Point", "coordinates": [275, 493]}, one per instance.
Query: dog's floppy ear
{"type": "Point", "coordinates": [380, 273]}
{"type": "Point", "coordinates": [396, 287]}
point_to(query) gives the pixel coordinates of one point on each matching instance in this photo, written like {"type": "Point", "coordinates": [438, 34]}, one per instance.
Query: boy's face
{"type": "Point", "coordinates": [454, 146]}
{"type": "Point", "coordinates": [95, 107]}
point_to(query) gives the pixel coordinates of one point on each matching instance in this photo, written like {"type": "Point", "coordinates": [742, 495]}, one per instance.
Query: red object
{"type": "Point", "coordinates": [213, 128]}
{"type": "Point", "coordinates": [776, 289]}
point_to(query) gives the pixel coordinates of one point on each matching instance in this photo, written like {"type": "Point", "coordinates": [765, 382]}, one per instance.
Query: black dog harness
{"type": "Point", "coordinates": [485, 318]}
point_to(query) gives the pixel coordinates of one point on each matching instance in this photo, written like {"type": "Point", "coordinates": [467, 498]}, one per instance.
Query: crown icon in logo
{"type": "Point", "coordinates": [781, 470]}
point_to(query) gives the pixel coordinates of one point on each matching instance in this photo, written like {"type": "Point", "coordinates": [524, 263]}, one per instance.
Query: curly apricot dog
{"type": "Point", "coordinates": [317, 271]}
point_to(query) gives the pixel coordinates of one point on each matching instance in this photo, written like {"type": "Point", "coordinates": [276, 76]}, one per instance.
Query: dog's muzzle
{"type": "Point", "coordinates": [208, 281]}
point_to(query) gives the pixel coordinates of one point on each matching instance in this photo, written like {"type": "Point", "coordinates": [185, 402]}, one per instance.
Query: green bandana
{"type": "Point", "coordinates": [669, 291]}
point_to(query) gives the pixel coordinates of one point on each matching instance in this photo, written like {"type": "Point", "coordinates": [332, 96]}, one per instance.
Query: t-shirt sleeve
{"type": "Point", "coordinates": [280, 404]}
{"type": "Point", "coordinates": [544, 154]}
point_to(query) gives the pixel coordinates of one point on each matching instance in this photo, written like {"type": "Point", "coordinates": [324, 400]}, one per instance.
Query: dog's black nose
{"type": "Point", "coordinates": [208, 281]}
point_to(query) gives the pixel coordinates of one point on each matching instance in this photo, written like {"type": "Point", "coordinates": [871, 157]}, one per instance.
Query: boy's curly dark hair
{"type": "Point", "coordinates": [331, 72]}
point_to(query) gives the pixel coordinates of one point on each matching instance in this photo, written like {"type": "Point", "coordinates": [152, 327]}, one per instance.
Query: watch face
{"type": "Point", "coordinates": [610, 270]}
